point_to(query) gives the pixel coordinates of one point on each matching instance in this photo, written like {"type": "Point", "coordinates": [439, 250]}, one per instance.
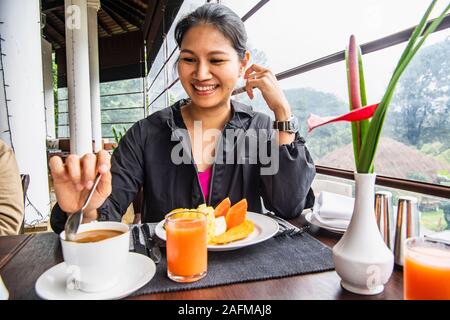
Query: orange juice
{"type": "Point", "coordinates": [426, 270]}
{"type": "Point", "coordinates": [187, 253]}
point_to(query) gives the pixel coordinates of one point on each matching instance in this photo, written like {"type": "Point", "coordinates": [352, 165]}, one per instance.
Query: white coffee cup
{"type": "Point", "coordinates": [96, 266]}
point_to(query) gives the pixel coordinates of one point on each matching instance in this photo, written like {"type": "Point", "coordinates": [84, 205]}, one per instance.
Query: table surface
{"type": "Point", "coordinates": [24, 258]}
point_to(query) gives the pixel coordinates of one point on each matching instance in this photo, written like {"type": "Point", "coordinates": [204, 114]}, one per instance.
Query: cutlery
{"type": "Point", "coordinates": [152, 246]}
{"type": "Point", "coordinates": [281, 221]}
{"type": "Point", "coordinates": [292, 232]}
{"type": "Point", "coordinates": [74, 221]}
{"type": "Point", "coordinates": [138, 246]}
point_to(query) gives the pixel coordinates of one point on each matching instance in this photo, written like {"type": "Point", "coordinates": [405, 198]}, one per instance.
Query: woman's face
{"type": "Point", "coordinates": [209, 66]}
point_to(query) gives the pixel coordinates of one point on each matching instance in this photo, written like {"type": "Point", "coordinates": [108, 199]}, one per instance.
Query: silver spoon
{"type": "Point", "coordinates": [74, 221]}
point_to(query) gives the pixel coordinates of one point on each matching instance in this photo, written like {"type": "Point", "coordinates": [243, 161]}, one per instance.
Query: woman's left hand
{"type": "Point", "coordinates": [265, 80]}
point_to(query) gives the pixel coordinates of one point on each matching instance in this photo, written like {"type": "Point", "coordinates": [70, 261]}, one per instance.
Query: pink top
{"type": "Point", "coordinates": [205, 178]}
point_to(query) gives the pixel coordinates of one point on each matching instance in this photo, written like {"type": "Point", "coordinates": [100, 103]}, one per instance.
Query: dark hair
{"type": "Point", "coordinates": [221, 17]}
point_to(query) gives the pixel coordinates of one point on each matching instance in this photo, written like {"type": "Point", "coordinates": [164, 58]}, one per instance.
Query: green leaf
{"type": "Point", "coordinates": [364, 124]}
{"type": "Point", "coordinates": [116, 137]}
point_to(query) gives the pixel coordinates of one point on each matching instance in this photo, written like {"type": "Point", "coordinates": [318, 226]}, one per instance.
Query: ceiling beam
{"type": "Point", "coordinates": [156, 23]}
{"type": "Point", "coordinates": [50, 28]}
{"type": "Point", "coordinates": [59, 17]}
{"type": "Point", "coordinates": [103, 26]}
{"type": "Point", "coordinates": [124, 13]}
{"type": "Point", "coordinates": [60, 33]}
{"type": "Point", "coordinates": [132, 8]}
{"type": "Point", "coordinates": [100, 23]}
{"type": "Point", "coordinates": [114, 17]}
{"type": "Point", "coordinates": [49, 5]}
{"type": "Point", "coordinates": [151, 7]}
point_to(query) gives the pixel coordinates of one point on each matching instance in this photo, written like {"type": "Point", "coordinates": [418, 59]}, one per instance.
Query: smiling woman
{"type": "Point", "coordinates": [202, 149]}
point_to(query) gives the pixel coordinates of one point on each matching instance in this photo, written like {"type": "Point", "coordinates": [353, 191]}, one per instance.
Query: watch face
{"type": "Point", "coordinates": [294, 124]}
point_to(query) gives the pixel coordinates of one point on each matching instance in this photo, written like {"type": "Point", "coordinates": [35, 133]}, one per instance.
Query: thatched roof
{"type": "Point", "coordinates": [393, 159]}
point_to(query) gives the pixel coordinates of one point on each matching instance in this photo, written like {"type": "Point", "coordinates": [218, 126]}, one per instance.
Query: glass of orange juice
{"type": "Point", "coordinates": [186, 246]}
{"type": "Point", "coordinates": [426, 270]}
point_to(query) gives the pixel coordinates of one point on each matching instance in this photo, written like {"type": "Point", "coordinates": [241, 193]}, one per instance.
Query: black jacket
{"type": "Point", "coordinates": [143, 159]}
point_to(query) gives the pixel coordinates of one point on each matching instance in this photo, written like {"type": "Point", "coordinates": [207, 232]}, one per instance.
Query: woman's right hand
{"type": "Point", "coordinates": [74, 179]}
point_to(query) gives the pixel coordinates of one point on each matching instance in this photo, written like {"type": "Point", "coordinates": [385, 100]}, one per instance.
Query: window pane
{"type": "Point", "coordinates": [63, 118]}
{"type": "Point", "coordinates": [294, 32]}
{"type": "Point", "coordinates": [63, 106]}
{"type": "Point", "coordinates": [121, 86]}
{"type": "Point", "coordinates": [239, 6]}
{"type": "Point", "coordinates": [63, 132]}
{"type": "Point", "coordinates": [129, 115]}
{"type": "Point", "coordinates": [171, 67]}
{"type": "Point", "coordinates": [157, 87]}
{"type": "Point", "coordinates": [62, 93]}
{"type": "Point", "coordinates": [122, 101]}
{"type": "Point", "coordinates": [159, 104]}
{"type": "Point", "coordinates": [157, 65]}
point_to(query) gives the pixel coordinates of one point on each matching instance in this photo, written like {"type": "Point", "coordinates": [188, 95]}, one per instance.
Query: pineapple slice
{"type": "Point", "coordinates": [210, 220]}
{"type": "Point", "coordinates": [210, 217]}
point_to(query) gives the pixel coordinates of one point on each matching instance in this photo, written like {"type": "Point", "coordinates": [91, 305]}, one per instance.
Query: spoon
{"type": "Point", "coordinates": [74, 221]}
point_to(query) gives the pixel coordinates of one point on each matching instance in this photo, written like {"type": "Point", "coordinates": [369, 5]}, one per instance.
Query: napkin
{"type": "Point", "coordinates": [333, 210]}
{"type": "Point", "coordinates": [443, 236]}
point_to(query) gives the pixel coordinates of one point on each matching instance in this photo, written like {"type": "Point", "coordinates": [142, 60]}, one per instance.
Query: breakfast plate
{"type": "Point", "coordinates": [265, 228]}
{"type": "Point", "coordinates": [139, 270]}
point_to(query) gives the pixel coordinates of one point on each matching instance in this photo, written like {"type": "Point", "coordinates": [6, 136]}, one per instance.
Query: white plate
{"type": "Point", "coordinates": [265, 228]}
{"type": "Point", "coordinates": [308, 217]}
{"type": "Point", "coordinates": [139, 270]}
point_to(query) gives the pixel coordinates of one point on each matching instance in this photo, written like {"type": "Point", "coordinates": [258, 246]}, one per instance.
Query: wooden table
{"type": "Point", "coordinates": [24, 258]}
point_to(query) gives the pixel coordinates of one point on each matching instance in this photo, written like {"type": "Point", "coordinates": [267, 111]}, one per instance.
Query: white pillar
{"type": "Point", "coordinates": [78, 87]}
{"type": "Point", "coordinates": [48, 88]}
{"type": "Point", "coordinates": [93, 6]}
{"type": "Point", "coordinates": [22, 69]}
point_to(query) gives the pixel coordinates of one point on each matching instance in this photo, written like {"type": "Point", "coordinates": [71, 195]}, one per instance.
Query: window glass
{"type": "Point", "coordinates": [134, 100]}
{"type": "Point", "coordinates": [121, 86]}
{"type": "Point", "coordinates": [292, 32]}
{"type": "Point", "coordinates": [239, 6]}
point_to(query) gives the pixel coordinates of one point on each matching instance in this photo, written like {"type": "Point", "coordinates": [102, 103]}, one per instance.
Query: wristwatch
{"type": "Point", "coordinates": [290, 125]}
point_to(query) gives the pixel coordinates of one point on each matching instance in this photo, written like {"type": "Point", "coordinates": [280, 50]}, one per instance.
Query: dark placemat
{"type": "Point", "coordinates": [275, 258]}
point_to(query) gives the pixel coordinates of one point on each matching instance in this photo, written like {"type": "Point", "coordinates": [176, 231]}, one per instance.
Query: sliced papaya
{"type": "Point", "coordinates": [239, 232]}
{"type": "Point", "coordinates": [222, 208]}
{"type": "Point", "coordinates": [236, 214]}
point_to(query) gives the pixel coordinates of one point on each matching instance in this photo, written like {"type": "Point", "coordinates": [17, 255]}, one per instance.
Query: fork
{"type": "Point", "coordinates": [281, 221]}
{"type": "Point", "coordinates": [291, 232]}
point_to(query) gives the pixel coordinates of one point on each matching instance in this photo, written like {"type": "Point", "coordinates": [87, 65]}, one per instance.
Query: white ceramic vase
{"type": "Point", "coordinates": [361, 258]}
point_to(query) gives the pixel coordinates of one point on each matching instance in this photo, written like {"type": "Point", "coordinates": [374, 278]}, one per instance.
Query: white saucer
{"type": "Point", "coordinates": [139, 270]}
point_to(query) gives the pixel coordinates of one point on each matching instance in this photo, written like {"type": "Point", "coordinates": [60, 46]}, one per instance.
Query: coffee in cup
{"type": "Point", "coordinates": [96, 235]}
